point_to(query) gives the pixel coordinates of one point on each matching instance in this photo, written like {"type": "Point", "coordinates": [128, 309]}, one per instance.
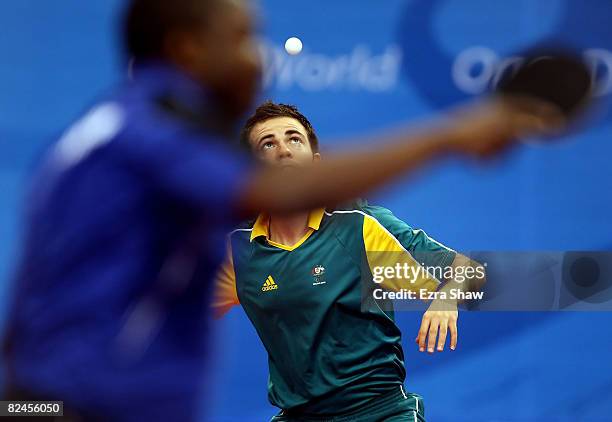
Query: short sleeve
{"type": "Point", "coordinates": [426, 250]}
{"type": "Point", "coordinates": [225, 295]}
{"type": "Point", "coordinates": [384, 252]}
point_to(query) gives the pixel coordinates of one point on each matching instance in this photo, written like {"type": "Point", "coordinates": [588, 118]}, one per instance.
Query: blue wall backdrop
{"type": "Point", "coordinates": [369, 65]}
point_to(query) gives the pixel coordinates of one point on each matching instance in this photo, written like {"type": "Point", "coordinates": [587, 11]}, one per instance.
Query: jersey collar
{"type": "Point", "coordinates": [262, 224]}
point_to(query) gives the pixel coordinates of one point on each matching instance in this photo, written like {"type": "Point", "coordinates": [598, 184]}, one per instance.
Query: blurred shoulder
{"type": "Point", "coordinates": [243, 229]}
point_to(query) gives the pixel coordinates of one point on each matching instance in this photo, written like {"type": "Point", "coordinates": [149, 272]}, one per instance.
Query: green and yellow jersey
{"type": "Point", "coordinates": [331, 347]}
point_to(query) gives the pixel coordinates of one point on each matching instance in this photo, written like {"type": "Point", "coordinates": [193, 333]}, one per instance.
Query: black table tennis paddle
{"type": "Point", "coordinates": [558, 76]}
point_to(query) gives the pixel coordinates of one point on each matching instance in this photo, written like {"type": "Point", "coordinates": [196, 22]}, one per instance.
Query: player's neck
{"type": "Point", "coordinates": [288, 229]}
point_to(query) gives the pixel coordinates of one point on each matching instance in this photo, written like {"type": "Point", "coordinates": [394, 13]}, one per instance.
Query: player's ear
{"type": "Point", "coordinates": [316, 157]}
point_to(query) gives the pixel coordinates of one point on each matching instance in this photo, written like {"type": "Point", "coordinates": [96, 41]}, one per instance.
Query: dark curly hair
{"type": "Point", "coordinates": [271, 110]}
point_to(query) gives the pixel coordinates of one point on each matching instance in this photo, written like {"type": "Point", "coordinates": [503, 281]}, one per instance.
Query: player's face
{"type": "Point", "coordinates": [282, 141]}
{"type": "Point", "coordinates": [223, 55]}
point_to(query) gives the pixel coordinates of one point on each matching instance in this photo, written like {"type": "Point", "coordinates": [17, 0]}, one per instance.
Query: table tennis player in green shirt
{"type": "Point", "coordinates": [305, 282]}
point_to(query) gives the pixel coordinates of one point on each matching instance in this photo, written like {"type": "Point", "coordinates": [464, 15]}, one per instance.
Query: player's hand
{"type": "Point", "coordinates": [489, 126]}
{"type": "Point", "coordinates": [439, 319]}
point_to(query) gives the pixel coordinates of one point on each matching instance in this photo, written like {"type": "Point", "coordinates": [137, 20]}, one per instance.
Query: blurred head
{"type": "Point", "coordinates": [278, 134]}
{"type": "Point", "coordinates": [211, 40]}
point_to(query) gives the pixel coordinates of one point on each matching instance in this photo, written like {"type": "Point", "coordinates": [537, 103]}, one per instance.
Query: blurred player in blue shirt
{"type": "Point", "coordinates": [115, 212]}
{"type": "Point", "coordinates": [104, 315]}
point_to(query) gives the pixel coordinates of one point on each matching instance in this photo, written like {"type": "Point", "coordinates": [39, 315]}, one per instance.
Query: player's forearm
{"type": "Point", "coordinates": [339, 178]}
{"type": "Point", "coordinates": [478, 130]}
{"type": "Point", "coordinates": [470, 276]}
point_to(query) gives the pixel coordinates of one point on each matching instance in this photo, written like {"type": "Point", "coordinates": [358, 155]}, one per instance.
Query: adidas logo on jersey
{"type": "Point", "coordinates": [269, 285]}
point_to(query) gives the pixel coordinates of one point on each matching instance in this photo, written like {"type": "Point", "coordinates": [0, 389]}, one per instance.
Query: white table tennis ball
{"type": "Point", "coordinates": [293, 46]}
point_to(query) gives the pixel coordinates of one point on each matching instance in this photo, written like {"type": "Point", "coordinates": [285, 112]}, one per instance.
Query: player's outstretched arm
{"type": "Point", "coordinates": [476, 130]}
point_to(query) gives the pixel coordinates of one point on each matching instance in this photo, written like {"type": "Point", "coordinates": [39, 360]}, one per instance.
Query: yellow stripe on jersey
{"type": "Point", "coordinates": [225, 295]}
{"type": "Point", "coordinates": [385, 250]}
